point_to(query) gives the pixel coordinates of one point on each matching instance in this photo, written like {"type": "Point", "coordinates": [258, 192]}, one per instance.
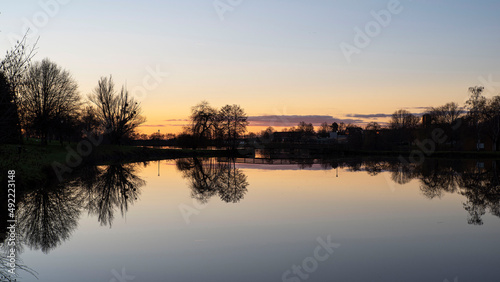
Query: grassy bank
{"type": "Point", "coordinates": [33, 162]}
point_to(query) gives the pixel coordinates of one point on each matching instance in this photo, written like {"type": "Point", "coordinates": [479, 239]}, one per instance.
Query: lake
{"type": "Point", "coordinates": [265, 220]}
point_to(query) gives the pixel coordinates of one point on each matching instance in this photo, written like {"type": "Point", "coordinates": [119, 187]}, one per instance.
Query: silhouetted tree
{"type": "Point", "coordinates": [447, 118]}
{"type": "Point", "coordinates": [354, 136]}
{"type": "Point", "coordinates": [492, 126]}
{"type": "Point", "coordinates": [446, 114]}
{"type": "Point", "coordinates": [49, 97]}
{"type": "Point", "coordinates": [89, 121]}
{"type": "Point", "coordinates": [9, 118]}
{"type": "Point", "coordinates": [403, 119]}
{"type": "Point", "coordinates": [16, 63]}
{"type": "Point", "coordinates": [118, 113]}
{"type": "Point", "coordinates": [371, 135]}
{"type": "Point", "coordinates": [403, 123]}
{"type": "Point", "coordinates": [233, 122]}
{"type": "Point", "coordinates": [204, 124]}
{"type": "Point", "coordinates": [305, 129]}
{"type": "Point", "coordinates": [324, 130]}
{"type": "Point", "coordinates": [334, 127]}
{"type": "Point", "coordinates": [341, 128]}
{"type": "Point", "coordinates": [476, 106]}
{"type": "Point", "coordinates": [373, 126]}
{"type": "Point", "coordinates": [267, 133]}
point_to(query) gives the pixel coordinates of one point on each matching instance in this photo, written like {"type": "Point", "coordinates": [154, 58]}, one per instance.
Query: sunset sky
{"type": "Point", "coordinates": [282, 61]}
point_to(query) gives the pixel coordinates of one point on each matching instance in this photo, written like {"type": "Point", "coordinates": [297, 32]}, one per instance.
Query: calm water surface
{"type": "Point", "coordinates": [205, 220]}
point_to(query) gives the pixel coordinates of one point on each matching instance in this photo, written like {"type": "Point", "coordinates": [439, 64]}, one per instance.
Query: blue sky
{"type": "Point", "coordinates": [271, 57]}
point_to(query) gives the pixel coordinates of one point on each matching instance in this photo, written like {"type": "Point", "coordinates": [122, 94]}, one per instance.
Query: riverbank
{"type": "Point", "coordinates": [34, 163]}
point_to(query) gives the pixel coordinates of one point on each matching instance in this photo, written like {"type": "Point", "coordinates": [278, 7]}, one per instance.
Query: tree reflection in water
{"type": "Point", "coordinates": [209, 177]}
{"type": "Point", "coordinates": [482, 189]}
{"type": "Point", "coordinates": [109, 187]}
{"type": "Point", "coordinates": [48, 214]}
{"type": "Point", "coordinates": [478, 182]}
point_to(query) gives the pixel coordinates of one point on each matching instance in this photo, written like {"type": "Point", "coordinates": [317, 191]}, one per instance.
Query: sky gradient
{"type": "Point", "coordinates": [282, 59]}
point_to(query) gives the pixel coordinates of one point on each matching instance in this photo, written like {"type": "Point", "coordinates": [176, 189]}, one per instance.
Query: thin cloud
{"type": "Point", "coordinates": [369, 116]}
{"type": "Point", "coordinates": [293, 120]}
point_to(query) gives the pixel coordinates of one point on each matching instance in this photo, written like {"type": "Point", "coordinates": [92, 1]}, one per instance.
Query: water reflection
{"type": "Point", "coordinates": [482, 189]}
{"type": "Point", "coordinates": [108, 188]}
{"type": "Point", "coordinates": [48, 213]}
{"type": "Point", "coordinates": [209, 177]}
{"type": "Point", "coordinates": [479, 182]}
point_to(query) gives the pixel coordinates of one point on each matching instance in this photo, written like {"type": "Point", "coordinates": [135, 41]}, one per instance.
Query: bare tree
{"type": "Point", "coordinates": [403, 119]}
{"type": "Point", "coordinates": [493, 122]}
{"type": "Point", "coordinates": [89, 121]}
{"type": "Point", "coordinates": [49, 97]}
{"type": "Point", "coordinates": [118, 113]}
{"type": "Point", "coordinates": [307, 129]}
{"type": "Point", "coordinates": [17, 61]}
{"type": "Point", "coordinates": [203, 121]}
{"type": "Point", "coordinates": [373, 126]}
{"type": "Point", "coordinates": [267, 133]}
{"type": "Point", "coordinates": [446, 114]}
{"type": "Point", "coordinates": [233, 121]}
{"type": "Point", "coordinates": [447, 117]}
{"type": "Point", "coordinates": [403, 123]}
{"type": "Point", "coordinates": [324, 130]}
{"type": "Point", "coordinates": [476, 106]}
{"type": "Point", "coordinates": [334, 127]}
{"type": "Point", "coordinates": [13, 67]}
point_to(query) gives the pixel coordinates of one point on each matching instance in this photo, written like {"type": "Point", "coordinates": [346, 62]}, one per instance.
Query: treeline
{"type": "Point", "coordinates": [210, 126]}
{"type": "Point", "coordinates": [451, 127]}
{"type": "Point", "coordinates": [40, 100]}
{"type": "Point", "coordinates": [473, 126]}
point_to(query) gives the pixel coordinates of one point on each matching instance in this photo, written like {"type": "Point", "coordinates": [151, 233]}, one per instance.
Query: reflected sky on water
{"type": "Point", "coordinates": [221, 220]}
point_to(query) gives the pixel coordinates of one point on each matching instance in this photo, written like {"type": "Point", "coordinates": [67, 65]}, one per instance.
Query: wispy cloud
{"type": "Point", "coordinates": [292, 120]}
{"type": "Point", "coordinates": [418, 108]}
{"type": "Point", "coordinates": [368, 116]}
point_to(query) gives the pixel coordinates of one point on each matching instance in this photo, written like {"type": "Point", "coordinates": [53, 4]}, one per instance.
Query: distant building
{"type": "Point", "coordinates": [333, 135]}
